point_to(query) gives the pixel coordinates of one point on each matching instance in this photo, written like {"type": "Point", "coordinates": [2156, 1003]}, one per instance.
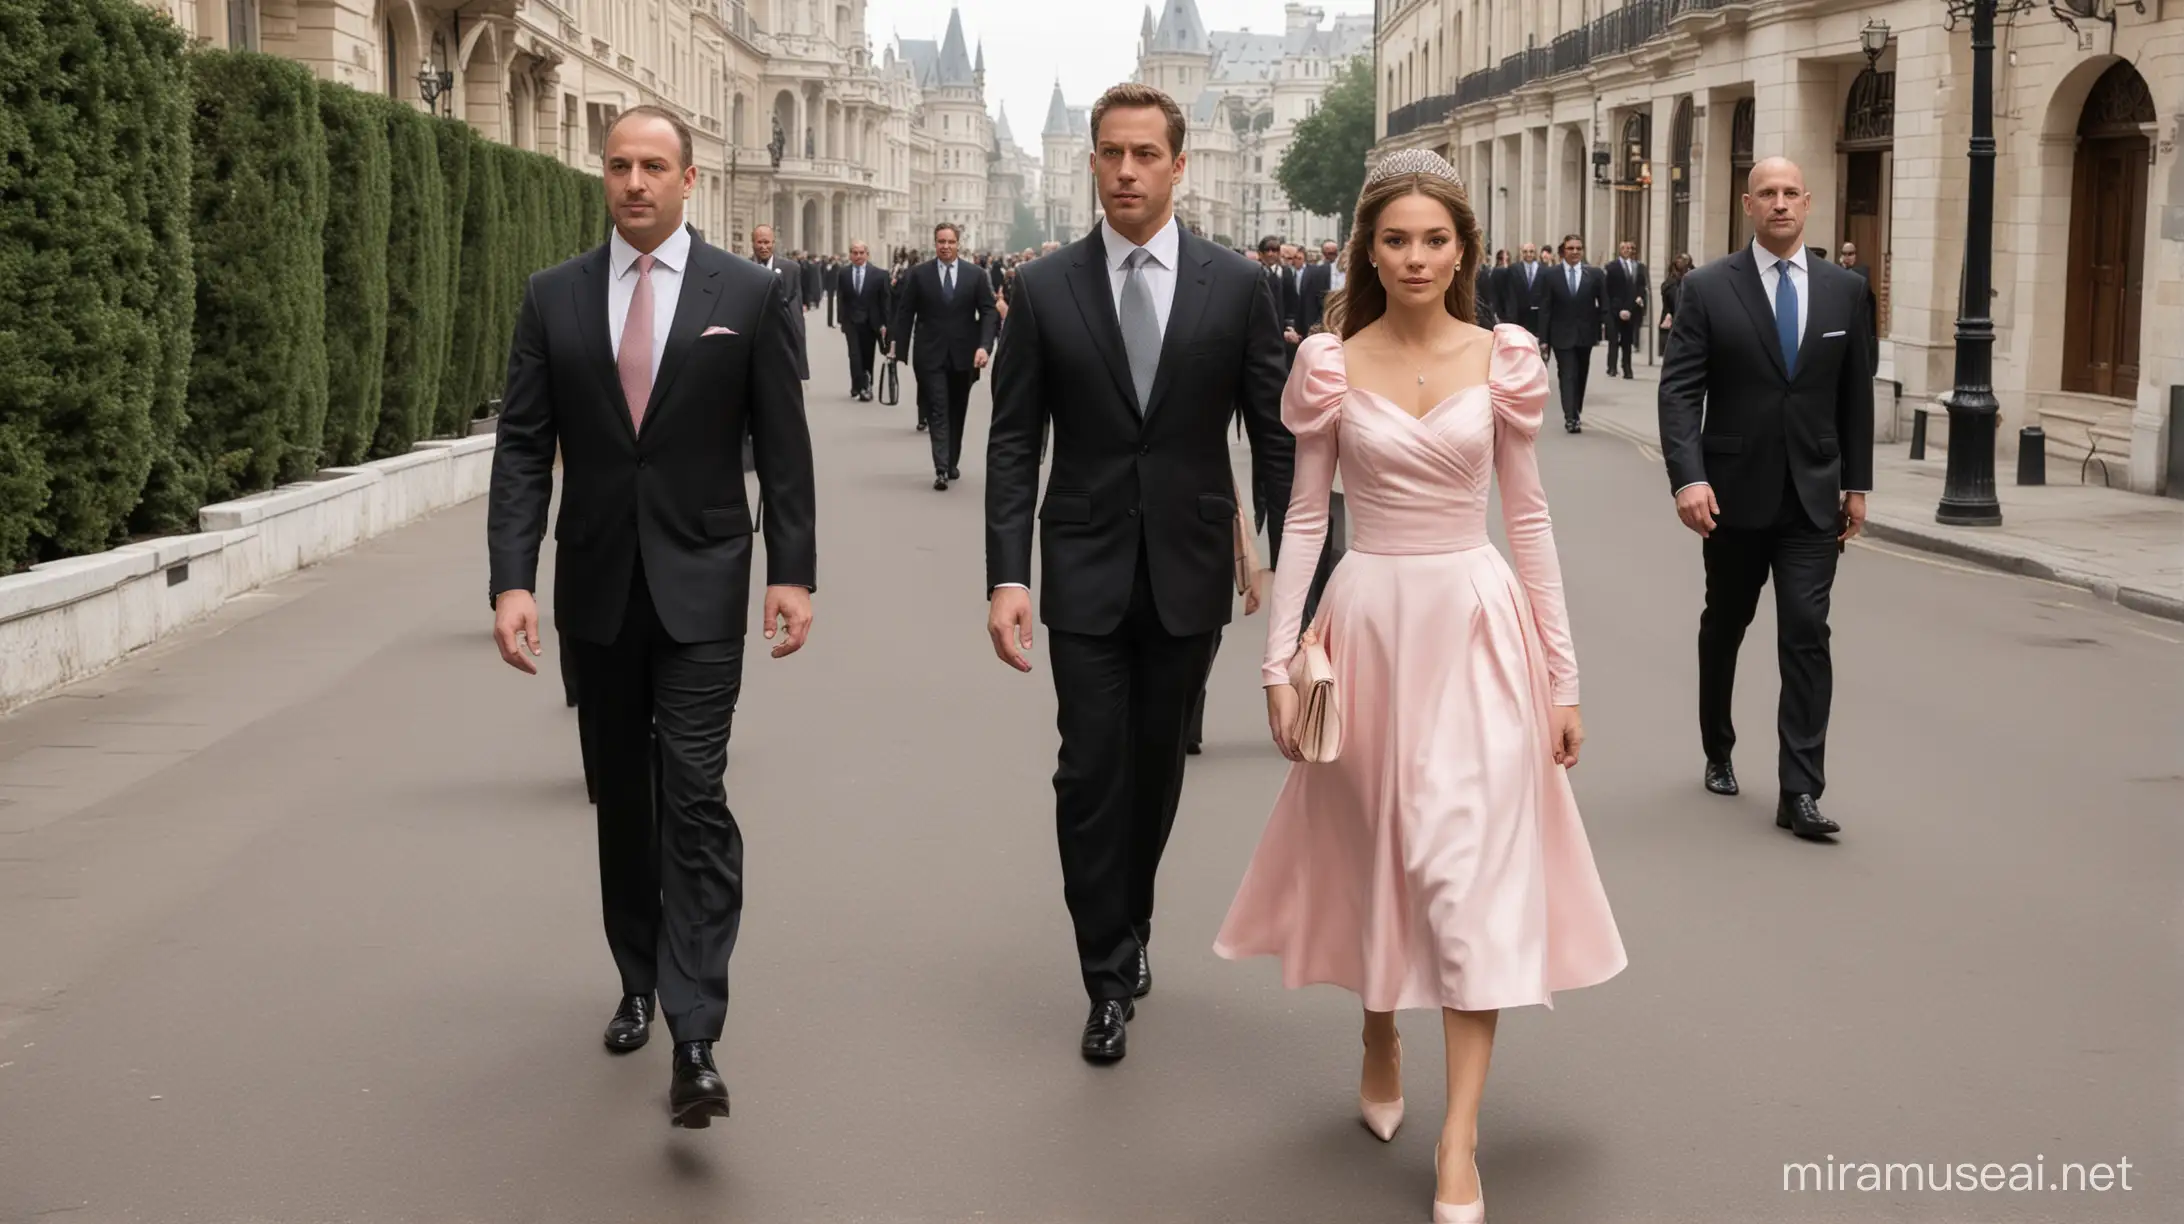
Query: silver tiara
{"type": "Point", "coordinates": [1413, 161]}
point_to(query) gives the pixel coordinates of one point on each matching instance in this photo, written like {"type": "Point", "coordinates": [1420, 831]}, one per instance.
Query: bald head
{"type": "Point", "coordinates": [1776, 203]}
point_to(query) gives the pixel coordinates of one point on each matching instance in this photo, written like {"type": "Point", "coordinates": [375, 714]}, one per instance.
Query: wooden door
{"type": "Point", "coordinates": [2107, 231]}
{"type": "Point", "coordinates": [1865, 214]}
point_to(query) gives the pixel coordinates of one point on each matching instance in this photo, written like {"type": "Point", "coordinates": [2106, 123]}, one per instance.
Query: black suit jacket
{"type": "Point", "coordinates": [1312, 290]}
{"type": "Point", "coordinates": [1574, 320]}
{"type": "Point", "coordinates": [1123, 479]}
{"type": "Point", "coordinates": [1287, 296]}
{"type": "Point", "coordinates": [792, 283]}
{"type": "Point", "coordinates": [672, 492]}
{"type": "Point", "coordinates": [1627, 291]}
{"type": "Point", "coordinates": [944, 333]}
{"type": "Point", "coordinates": [1525, 303]}
{"type": "Point", "coordinates": [1733, 417]}
{"type": "Point", "coordinates": [871, 308]}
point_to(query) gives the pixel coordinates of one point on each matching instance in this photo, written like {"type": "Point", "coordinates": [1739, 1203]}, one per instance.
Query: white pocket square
{"type": "Point", "coordinates": [1833, 335]}
{"type": "Point", "coordinates": [723, 331]}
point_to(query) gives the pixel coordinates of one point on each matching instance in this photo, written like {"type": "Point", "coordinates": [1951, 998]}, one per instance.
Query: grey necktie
{"type": "Point", "coordinates": [1140, 326]}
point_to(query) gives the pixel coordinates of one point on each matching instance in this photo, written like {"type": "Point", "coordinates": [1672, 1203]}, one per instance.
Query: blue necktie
{"type": "Point", "coordinates": [1785, 315]}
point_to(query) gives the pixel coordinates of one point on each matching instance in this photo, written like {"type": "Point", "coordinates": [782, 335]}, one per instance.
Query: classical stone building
{"type": "Point", "coordinates": [1069, 198]}
{"type": "Point", "coordinates": [1244, 94]}
{"type": "Point", "coordinates": [796, 123]}
{"type": "Point", "coordinates": [1640, 121]}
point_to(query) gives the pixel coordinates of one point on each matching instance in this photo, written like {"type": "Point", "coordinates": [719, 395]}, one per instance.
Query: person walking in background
{"type": "Point", "coordinates": [1137, 342]}
{"type": "Point", "coordinates": [1438, 860]}
{"type": "Point", "coordinates": [1766, 407]}
{"type": "Point", "coordinates": [1575, 306]}
{"type": "Point", "coordinates": [945, 312]}
{"type": "Point", "coordinates": [1671, 293]}
{"type": "Point", "coordinates": [1628, 284]}
{"type": "Point", "coordinates": [1853, 263]}
{"type": "Point", "coordinates": [763, 254]}
{"type": "Point", "coordinates": [1523, 293]}
{"type": "Point", "coordinates": [1315, 284]}
{"type": "Point", "coordinates": [866, 303]}
{"type": "Point", "coordinates": [643, 363]}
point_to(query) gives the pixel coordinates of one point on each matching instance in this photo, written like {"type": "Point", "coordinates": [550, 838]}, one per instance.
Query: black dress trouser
{"type": "Point", "coordinates": [863, 337]}
{"type": "Point", "coordinates": [1802, 559]}
{"type": "Point", "coordinates": [670, 854]}
{"type": "Point", "coordinates": [1121, 701]}
{"type": "Point", "coordinates": [944, 397]}
{"type": "Point", "coordinates": [1573, 364]}
{"type": "Point", "coordinates": [1622, 341]}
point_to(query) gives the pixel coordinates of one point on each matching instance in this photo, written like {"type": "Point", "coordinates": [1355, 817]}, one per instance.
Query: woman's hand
{"type": "Point", "coordinates": [1281, 719]}
{"type": "Point", "coordinates": [1566, 733]}
{"type": "Point", "coordinates": [1251, 595]}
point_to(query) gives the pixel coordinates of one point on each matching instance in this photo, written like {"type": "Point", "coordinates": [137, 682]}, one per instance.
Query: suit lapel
{"type": "Point", "coordinates": [1744, 274]}
{"type": "Point", "coordinates": [1088, 283]}
{"type": "Point", "coordinates": [700, 292]}
{"type": "Point", "coordinates": [1184, 312]}
{"type": "Point", "coordinates": [591, 320]}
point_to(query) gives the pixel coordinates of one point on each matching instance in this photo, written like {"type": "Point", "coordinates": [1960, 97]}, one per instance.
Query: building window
{"type": "Point", "coordinates": [242, 25]}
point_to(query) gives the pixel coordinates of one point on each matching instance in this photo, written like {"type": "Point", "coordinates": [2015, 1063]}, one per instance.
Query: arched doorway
{"type": "Point", "coordinates": [807, 232]}
{"type": "Point", "coordinates": [1868, 146]}
{"type": "Point", "coordinates": [1633, 189]}
{"type": "Point", "coordinates": [1742, 120]}
{"type": "Point", "coordinates": [2107, 236]}
{"type": "Point", "coordinates": [1679, 182]}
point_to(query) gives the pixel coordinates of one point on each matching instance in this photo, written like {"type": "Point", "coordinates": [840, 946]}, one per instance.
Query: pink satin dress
{"type": "Point", "coordinates": [1440, 861]}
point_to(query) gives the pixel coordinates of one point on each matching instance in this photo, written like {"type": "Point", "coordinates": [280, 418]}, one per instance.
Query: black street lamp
{"type": "Point", "coordinates": [1967, 491]}
{"type": "Point", "coordinates": [433, 85]}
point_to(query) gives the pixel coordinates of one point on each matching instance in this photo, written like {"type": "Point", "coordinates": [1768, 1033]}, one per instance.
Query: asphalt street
{"type": "Point", "coordinates": [299, 916]}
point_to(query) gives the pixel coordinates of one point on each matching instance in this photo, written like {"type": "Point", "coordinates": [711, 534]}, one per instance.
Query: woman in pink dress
{"type": "Point", "coordinates": [1439, 861]}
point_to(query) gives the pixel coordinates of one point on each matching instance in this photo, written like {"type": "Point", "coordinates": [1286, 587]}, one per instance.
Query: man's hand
{"type": "Point", "coordinates": [978, 360]}
{"type": "Point", "coordinates": [1008, 623]}
{"type": "Point", "coordinates": [1624, 315]}
{"type": "Point", "coordinates": [1698, 509]}
{"type": "Point", "coordinates": [788, 613]}
{"type": "Point", "coordinates": [1853, 517]}
{"type": "Point", "coordinates": [1001, 305]}
{"type": "Point", "coordinates": [1290, 334]}
{"type": "Point", "coordinates": [894, 353]}
{"type": "Point", "coordinates": [1565, 734]}
{"type": "Point", "coordinates": [515, 630]}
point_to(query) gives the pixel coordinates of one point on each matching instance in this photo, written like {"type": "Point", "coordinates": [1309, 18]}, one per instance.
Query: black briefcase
{"type": "Point", "coordinates": [890, 383]}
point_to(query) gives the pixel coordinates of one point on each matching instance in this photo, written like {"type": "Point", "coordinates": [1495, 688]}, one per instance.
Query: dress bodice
{"type": "Point", "coordinates": [1420, 485]}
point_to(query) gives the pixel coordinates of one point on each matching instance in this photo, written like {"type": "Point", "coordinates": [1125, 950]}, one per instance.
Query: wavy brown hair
{"type": "Point", "coordinates": [1362, 298]}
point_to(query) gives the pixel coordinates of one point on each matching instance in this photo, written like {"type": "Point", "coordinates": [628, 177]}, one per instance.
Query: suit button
{"type": "Point", "coordinates": [1133, 512]}
{"type": "Point", "coordinates": [640, 465]}
{"type": "Point", "coordinates": [1144, 450]}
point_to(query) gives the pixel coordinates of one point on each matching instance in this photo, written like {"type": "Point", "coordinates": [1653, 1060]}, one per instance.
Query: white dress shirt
{"type": "Point", "coordinates": [951, 276]}
{"type": "Point", "coordinates": [668, 261]}
{"type": "Point", "coordinates": [1335, 278]}
{"type": "Point", "coordinates": [1158, 272]}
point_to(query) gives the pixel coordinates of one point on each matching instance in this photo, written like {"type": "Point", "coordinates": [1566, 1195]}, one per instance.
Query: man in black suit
{"type": "Point", "coordinates": [643, 363]}
{"type": "Point", "coordinates": [1315, 284]}
{"type": "Point", "coordinates": [866, 304]}
{"type": "Point", "coordinates": [945, 312]}
{"type": "Point", "coordinates": [763, 254]}
{"type": "Point", "coordinates": [1853, 263]}
{"type": "Point", "coordinates": [1139, 343]}
{"type": "Point", "coordinates": [1575, 305]}
{"type": "Point", "coordinates": [1767, 430]}
{"type": "Point", "coordinates": [1281, 278]}
{"type": "Point", "coordinates": [1523, 293]}
{"type": "Point", "coordinates": [1628, 286]}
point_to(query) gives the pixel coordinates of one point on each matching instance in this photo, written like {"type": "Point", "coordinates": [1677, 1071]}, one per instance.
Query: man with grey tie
{"type": "Point", "coordinates": [1139, 343]}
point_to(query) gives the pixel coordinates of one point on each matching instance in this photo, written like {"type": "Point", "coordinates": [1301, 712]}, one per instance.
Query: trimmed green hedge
{"type": "Point", "coordinates": [218, 273]}
{"type": "Point", "coordinates": [359, 213]}
{"type": "Point", "coordinates": [94, 281]}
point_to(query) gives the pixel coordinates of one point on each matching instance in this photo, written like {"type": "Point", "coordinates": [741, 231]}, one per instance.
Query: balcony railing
{"type": "Point", "coordinates": [1625, 30]}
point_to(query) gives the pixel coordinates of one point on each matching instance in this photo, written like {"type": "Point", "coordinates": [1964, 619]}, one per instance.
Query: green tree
{"type": "Point", "coordinates": [94, 268]}
{"type": "Point", "coordinates": [358, 215]}
{"type": "Point", "coordinates": [453, 139]}
{"type": "Point", "coordinates": [417, 296]}
{"type": "Point", "coordinates": [1324, 167]}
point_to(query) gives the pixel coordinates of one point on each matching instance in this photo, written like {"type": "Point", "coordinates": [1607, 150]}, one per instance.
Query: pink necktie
{"type": "Point", "coordinates": [634, 362]}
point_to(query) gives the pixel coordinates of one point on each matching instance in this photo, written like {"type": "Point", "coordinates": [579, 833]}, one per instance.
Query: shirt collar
{"type": "Point", "coordinates": [1163, 245]}
{"type": "Point", "coordinates": [672, 254]}
{"type": "Point", "coordinates": [1766, 258]}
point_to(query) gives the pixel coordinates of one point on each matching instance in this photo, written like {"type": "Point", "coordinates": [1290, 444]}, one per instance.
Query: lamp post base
{"type": "Point", "coordinates": [1967, 491]}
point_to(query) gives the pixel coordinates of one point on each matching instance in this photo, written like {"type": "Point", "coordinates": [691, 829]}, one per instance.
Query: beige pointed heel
{"type": "Point", "coordinates": [1473, 1212]}
{"type": "Point", "coordinates": [1383, 1117]}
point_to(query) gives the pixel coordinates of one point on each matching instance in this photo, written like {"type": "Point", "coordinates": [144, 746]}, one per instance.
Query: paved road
{"type": "Point", "coordinates": [298, 918]}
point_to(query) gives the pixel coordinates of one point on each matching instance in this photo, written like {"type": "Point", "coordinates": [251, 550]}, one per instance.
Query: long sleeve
{"type": "Point", "coordinates": [1682, 400]}
{"type": "Point", "coordinates": [523, 456]}
{"type": "Point", "coordinates": [1518, 387]}
{"type": "Point", "coordinates": [781, 447]}
{"type": "Point", "coordinates": [1012, 448]}
{"type": "Point", "coordinates": [1312, 411]}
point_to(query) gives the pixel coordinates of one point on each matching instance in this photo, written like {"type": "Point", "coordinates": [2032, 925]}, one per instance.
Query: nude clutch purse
{"type": "Point", "coordinates": [1319, 706]}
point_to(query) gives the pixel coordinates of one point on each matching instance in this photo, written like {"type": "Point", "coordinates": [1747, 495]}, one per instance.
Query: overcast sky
{"type": "Point", "coordinates": [1090, 44]}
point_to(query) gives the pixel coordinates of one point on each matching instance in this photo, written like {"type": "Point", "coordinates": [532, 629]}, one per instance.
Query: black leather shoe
{"type": "Point", "coordinates": [1106, 1039]}
{"type": "Point", "coordinates": [1800, 814]}
{"type": "Point", "coordinates": [940, 481]}
{"type": "Point", "coordinates": [921, 427]}
{"type": "Point", "coordinates": [631, 1027]}
{"type": "Point", "coordinates": [1144, 984]}
{"type": "Point", "coordinates": [1194, 748]}
{"type": "Point", "coordinates": [1721, 778]}
{"type": "Point", "coordinates": [696, 1095]}
{"type": "Point", "coordinates": [955, 473]}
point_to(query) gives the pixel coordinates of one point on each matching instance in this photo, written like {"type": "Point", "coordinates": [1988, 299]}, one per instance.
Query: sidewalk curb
{"type": "Point", "coordinates": [1919, 536]}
